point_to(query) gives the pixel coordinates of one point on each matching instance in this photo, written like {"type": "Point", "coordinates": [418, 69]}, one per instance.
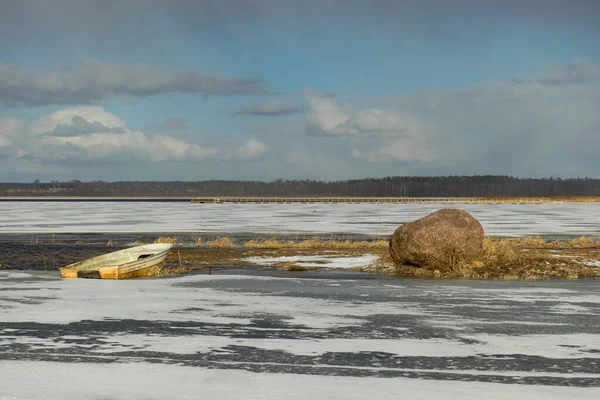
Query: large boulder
{"type": "Point", "coordinates": [445, 236]}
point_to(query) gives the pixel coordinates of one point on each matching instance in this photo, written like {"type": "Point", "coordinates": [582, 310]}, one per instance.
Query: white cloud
{"type": "Point", "coordinates": [21, 140]}
{"type": "Point", "coordinates": [65, 117]}
{"type": "Point", "coordinates": [326, 117]}
{"type": "Point", "coordinates": [251, 150]}
{"type": "Point", "coordinates": [378, 135]}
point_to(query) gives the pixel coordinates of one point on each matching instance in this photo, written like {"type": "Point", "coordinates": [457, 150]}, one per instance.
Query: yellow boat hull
{"type": "Point", "coordinates": [133, 263]}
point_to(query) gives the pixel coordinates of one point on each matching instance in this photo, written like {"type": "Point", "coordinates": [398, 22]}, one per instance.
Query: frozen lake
{"type": "Point", "coordinates": [291, 335]}
{"type": "Point", "coordinates": [366, 219]}
{"type": "Point", "coordinates": [270, 334]}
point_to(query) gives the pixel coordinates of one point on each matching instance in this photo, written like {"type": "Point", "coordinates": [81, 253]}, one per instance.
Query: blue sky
{"type": "Point", "coordinates": [327, 89]}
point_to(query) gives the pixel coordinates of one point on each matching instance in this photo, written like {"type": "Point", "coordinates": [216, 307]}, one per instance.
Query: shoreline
{"type": "Point", "coordinates": [529, 258]}
{"type": "Point", "coordinates": [316, 200]}
{"type": "Point", "coordinates": [101, 238]}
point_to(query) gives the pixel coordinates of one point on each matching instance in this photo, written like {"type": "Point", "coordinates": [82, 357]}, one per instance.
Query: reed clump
{"type": "Point", "coordinates": [221, 243]}
{"type": "Point", "coordinates": [197, 241]}
{"type": "Point", "coordinates": [584, 242]}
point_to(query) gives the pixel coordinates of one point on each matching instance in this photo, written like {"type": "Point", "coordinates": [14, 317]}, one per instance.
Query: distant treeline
{"type": "Point", "coordinates": [444, 186]}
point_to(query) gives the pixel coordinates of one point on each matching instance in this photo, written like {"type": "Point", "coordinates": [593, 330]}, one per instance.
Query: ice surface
{"type": "Point", "coordinates": [159, 299]}
{"type": "Point", "coordinates": [49, 380]}
{"type": "Point", "coordinates": [177, 300]}
{"type": "Point", "coordinates": [370, 219]}
{"type": "Point", "coordinates": [195, 335]}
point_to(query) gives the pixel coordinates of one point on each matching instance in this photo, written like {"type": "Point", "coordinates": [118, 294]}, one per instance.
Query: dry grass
{"type": "Point", "coordinates": [316, 243]}
{"type": "Point", "coordinates": [531, 242]}
{"type": "Point", "coordinates": [221, 243]}
{"type": "Point", "coordinates": [172, 271]}
{"type": "Point", "coordinates": [584, 242]}
{"type": "Point", "coordinates": [566, 199]}
{"type": "Point", "coordinates": [268, 244]}
{"type": "Point", "coordinates": [174, 240]}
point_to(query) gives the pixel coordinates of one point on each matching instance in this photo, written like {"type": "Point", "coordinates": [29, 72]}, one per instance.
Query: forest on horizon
{"type": "Point", "coordinates": [396, 186]}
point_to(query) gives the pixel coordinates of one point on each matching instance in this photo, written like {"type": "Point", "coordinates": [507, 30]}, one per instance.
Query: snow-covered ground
{"type": "Point", "coordinates": [330, 335]}
{"type": "Point", "coordinates": [370, 219]}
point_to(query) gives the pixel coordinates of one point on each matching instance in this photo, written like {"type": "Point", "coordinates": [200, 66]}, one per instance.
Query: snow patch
{"type": "Point", "coordinates": [316, 261]}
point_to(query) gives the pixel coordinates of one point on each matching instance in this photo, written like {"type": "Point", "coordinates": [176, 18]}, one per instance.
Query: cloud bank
{"type": "Point", "coordinates": [537, 125]}
{"type": "Point", "coordinates": [91, 134]}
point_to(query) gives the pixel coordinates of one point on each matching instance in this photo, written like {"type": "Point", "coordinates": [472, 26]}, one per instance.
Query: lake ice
{"type": "Point", "coordinates": [333, 335]}
{"type": "Point", "coordinates": [367, 219]}
{"type": "Point", "coordinates": [243, 334]}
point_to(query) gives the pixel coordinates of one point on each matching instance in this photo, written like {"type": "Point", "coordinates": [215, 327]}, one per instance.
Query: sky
{"type": "Point", "coordinates": [298, 89]}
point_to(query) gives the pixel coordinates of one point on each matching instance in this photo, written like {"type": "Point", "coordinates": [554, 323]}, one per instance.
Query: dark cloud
{"type": "Point", "coordinates": [28, 20]}
{"type": "Point", "coordinates": [269, 109]}
{"type": "Point", "coordinates": [82, 127]}
{"type": "Point", "coordinates": [95, 81]}
{"type": "Point", "coordinates": [171, 124]}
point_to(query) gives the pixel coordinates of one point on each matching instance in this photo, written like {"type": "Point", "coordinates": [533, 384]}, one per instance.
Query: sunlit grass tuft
{"type": "Point", "coordinates": [221, 243]}
{"type": "Point", "coordinates": [583, 242]}
{"type": "Point", "coordinates": [174, 240]}
{"type": "Point", "coordinates": [271, 243]}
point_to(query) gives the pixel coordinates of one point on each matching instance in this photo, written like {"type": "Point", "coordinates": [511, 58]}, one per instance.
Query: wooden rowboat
{"type": "Point", "coordinates": [123, 264]}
